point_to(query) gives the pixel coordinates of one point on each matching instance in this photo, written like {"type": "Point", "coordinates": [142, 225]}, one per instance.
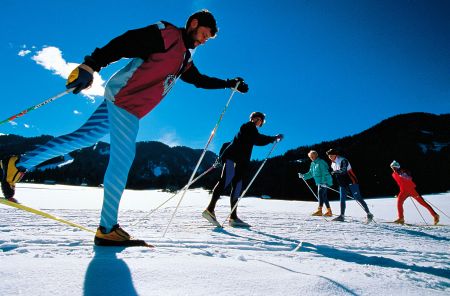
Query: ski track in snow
{"type": "Point", "coordinates": [332, 258]}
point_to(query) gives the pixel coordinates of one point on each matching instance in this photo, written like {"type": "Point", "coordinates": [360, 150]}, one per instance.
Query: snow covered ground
{"type": "Point", "coordinates": [287, 252]}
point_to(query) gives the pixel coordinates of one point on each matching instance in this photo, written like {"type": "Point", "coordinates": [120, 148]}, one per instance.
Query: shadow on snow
{"type": "Point", "coordinates": [354, 257]}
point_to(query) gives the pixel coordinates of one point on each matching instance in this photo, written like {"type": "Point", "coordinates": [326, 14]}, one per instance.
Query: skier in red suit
{"type": "Point", "coordinates": [407, 189]}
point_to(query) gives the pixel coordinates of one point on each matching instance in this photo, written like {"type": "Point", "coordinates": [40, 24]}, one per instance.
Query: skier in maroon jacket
{"type": "Point", "coordinates": [159, 55]}
{"type": "Point", "coordinates": [236, 158]}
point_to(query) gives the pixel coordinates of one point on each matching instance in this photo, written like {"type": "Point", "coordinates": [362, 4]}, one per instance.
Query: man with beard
{"type": "Point", "coordinates": [160, 54]}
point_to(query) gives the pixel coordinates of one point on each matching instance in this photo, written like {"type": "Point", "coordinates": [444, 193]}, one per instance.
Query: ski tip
{"type": "Point", "coordinates": [122, 244]}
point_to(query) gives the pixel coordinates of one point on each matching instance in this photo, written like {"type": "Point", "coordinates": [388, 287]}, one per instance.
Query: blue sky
{"type": "Point", "coordinates": [320, 70]}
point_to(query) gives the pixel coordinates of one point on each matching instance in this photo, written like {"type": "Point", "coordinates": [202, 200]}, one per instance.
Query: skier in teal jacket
{"type": "Point", "coordinates": [319, 171]}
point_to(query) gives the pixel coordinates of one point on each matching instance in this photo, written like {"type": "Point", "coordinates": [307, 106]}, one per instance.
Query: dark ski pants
{"type": "Point", "coordinates": [322, 193]}
{"type": "Point", "coordinates": [353, 190]}
{"type": "Point", "coordinates": [231, 174]}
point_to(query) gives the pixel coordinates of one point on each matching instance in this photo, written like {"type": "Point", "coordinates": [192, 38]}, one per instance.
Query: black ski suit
{"type": "Point", "coordinates": [236, 158]}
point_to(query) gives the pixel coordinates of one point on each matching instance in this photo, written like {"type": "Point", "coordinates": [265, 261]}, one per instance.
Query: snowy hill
{"type": "Point", "coordinates": [419, 141]}
{"type": "Point", "coordinates": [286, 252]}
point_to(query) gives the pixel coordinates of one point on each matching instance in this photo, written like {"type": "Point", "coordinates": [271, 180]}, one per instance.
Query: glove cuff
{"type": "Point", "coordinates": [90, 62]}
{"type": "Point", "coordinates": [231, 83]}
{"type": "Point", "coordinates": [86, 68]}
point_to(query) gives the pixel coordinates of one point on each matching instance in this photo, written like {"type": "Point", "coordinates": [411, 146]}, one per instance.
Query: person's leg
{"type": "Point", "coordinates": [324, 194]}
{"type": "Point", "coordinates": [14, 167]}
{"type": "Point", "coordinates": [88, 134]}
{"type": "Point", "coordinates": [401, 197]}
{"type": "Point", "coordinates": [237, 188]}
{"type": "Point", "coordinates": [356, 193]}
{"type": "Point", "coordinates": [224, 182]}
{"type": "Point", "coordinates": [124, 127]}
{"type": "Point", "coordinates": [320, 192]}
{"type": "Point", "coordinates": [342, 196]}
{"type": "Point", "coordinates": [319, 196]}
{"type": "Point", "coordinates": [421, 201]}
{"type": "Point", "coordinates": [236, 183]}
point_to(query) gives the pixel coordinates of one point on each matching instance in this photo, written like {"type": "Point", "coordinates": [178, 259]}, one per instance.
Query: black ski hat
{"type": "Point", "coordinates": [260, 115]}
{"type": "Point", "coordinates": [332, 152]}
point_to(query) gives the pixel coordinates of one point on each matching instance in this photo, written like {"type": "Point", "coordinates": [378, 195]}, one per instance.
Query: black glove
{"type": "Point", "coordinates": [242, 87]}
{"type": "Point", "coordinates": [80, 78]}
{"type": "Point", "coordinates": [279, 137]}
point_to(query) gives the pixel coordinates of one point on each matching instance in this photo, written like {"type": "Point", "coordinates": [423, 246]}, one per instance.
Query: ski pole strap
{"type": "Point", "coordinates": [36, 106]}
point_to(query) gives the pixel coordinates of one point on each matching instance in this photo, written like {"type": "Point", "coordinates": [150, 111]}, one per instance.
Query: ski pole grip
{"type": "Point", "coordinates": [235, 88]}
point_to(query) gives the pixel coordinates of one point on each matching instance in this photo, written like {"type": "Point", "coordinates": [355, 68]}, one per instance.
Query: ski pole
{"type": "Point", "coordinates": [213, 132]}
{"type": "Point", "coordinates": [436, 208]}
{"type": "Point", "coordinates": [348, 197]}
{"type": "Point", "coordinates": [170, 198]}
{"type": "Point", "coordinates": [314, 193]}
{"type": "Point", "coordinates": [419, 211]}
{"type": "Point", "coordinates": [250, 184]}
{"type": "Point", "coordinates": [36, 106]}
{"type": "Point", "coordinates": [310, 188]}
{"type": "Point", "coordinates": [351, 197]}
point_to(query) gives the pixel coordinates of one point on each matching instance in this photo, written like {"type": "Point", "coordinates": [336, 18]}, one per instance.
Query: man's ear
{"type": "Point", "coordinates": [193, 24]}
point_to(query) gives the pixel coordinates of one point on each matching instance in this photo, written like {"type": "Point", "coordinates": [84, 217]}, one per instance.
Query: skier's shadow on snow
{"type": "Point", "coordinates": [107, 274]}
{"type": "Point", "coordinates": [281, 241]}
{"type": "Point", "coordinates": [413, 232]}
{"type": "Point", "coordinates": [354, 257]}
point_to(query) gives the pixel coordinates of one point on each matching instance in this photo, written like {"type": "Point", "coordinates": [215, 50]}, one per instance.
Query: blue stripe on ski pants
{"type": "Point", "coordinates": [355, 193]}
{"type": "Point", "coordinates": [123, 128]}
{"type": "Point", "coordinates": [87, 135]}
{"type": "Point", "coordinates": [229, 175]}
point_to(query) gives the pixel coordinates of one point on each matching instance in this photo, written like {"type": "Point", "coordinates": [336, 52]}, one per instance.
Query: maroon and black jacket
{"type": "Point", "coordinates": [159, 56]}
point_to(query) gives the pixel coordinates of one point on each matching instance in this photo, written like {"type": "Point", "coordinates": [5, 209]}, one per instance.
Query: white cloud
{"type": "Point", "coordinates": [170, 139]}
{"type": "Point", "coordinates": [13, 123]}
{"type": "Point", "coordinates": [76, 112]}
{"type": "Point", "coordinates": [23, 53]}
{"type": "Point", "coordinates": [50, 58]}
{"type": "Point", "coordinates": [26, 125]}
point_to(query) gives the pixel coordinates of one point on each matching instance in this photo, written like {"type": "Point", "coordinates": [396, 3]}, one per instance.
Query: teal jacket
{"type": "Point", "coordinates": [319, 171]}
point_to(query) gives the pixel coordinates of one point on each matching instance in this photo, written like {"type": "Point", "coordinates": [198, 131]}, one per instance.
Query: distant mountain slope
{"type": "Point", "coordinates": [419, 141]}
{"type": "Point", "coordinates": [156, 165]}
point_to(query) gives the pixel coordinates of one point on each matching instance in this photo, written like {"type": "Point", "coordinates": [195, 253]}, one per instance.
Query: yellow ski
{"type": "Point", "coordinates": [43, 214]}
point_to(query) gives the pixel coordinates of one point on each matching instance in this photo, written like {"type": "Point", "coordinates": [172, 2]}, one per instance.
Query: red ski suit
{"type": "Point", "coordinates": [408, 188]}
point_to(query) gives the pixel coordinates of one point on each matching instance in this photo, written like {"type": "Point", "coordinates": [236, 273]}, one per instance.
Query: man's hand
{"type": "Point", "coordinates": [242, 87]}
{"type": "Point", "coordinates": [80, 78]}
